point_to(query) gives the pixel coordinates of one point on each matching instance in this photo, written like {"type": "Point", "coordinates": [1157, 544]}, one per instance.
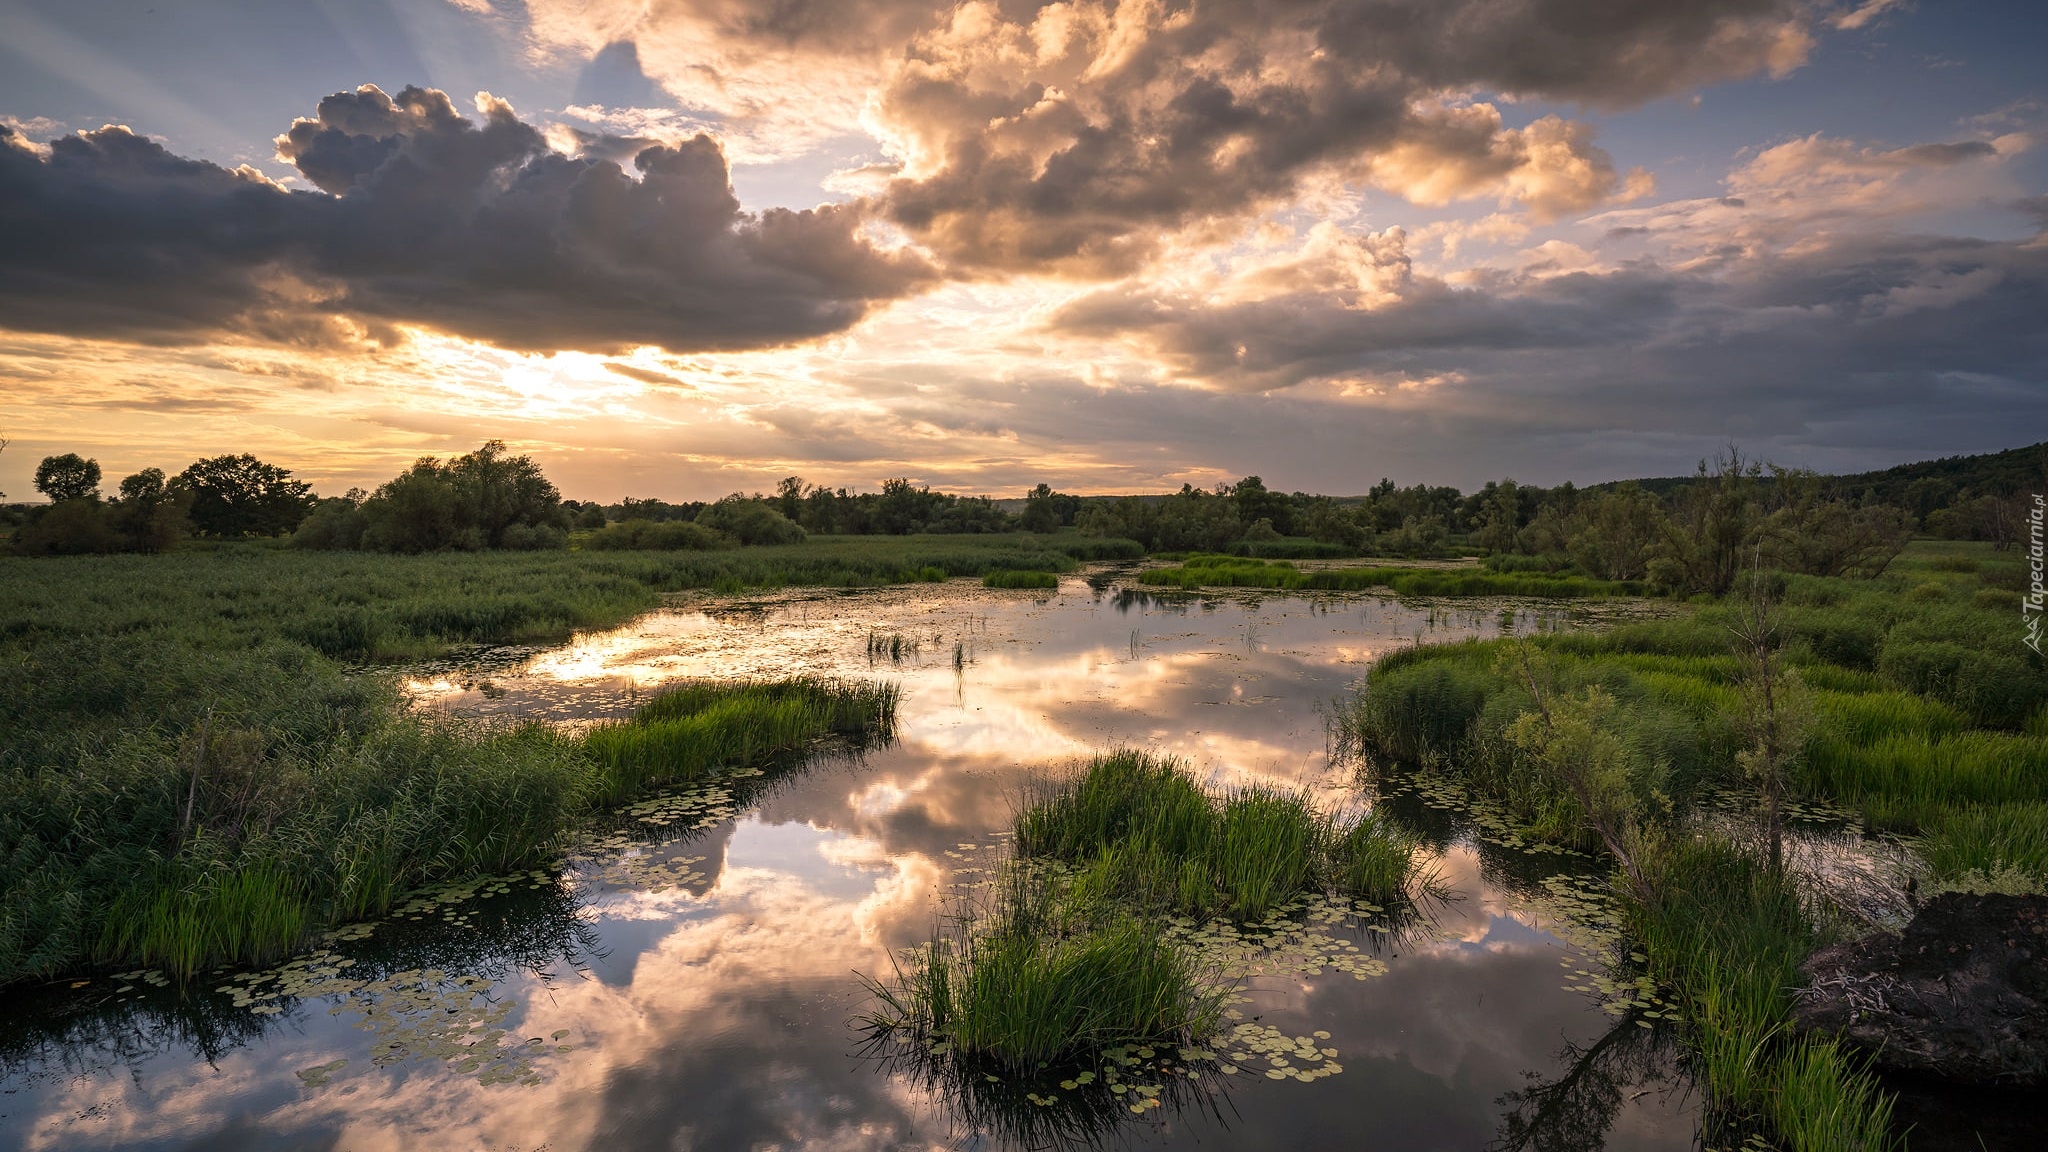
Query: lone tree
{"type": "Point", "coordinates": [68, 477]}
{"type": "Point", "coordinates": [1777, 709]}
{"type": "Point", "coordinates": [242, 496]}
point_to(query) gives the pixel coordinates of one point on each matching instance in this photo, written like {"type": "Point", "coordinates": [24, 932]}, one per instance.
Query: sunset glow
{"type": "Point", "coordinates": [684, 248]}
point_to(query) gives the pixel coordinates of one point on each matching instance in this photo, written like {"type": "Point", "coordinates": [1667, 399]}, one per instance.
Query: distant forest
{"type": "Point", "coordinates": [1680, 532]}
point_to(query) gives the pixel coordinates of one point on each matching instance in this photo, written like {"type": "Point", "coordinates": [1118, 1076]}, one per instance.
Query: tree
{"type": "Point", "coordinates": [1499, 516]}
{"type": "Point", "coordinates": [68, 477]}
{"type": "Point", "coordinates": [415, 511]}
{"type": "Point", "coordinates": [1039, 513]}
{"type": "Point", "coordinates": [487, 499]}
{"type": "Point", "coordinates": [1712, 523]}
{"type": "Point", "coordinates": [69, 528]}
{"type": "Point", "coordinates": [789, 497]}
{"type": "Point", "coordinates": [1255, 502]}
{"type": "Point", "coordinates": [1820, 534]}
{"type": "Point", "coordinates": [236, 496]}
{"type": "Point", "coordinates": [1612, 532]}
{"type": "Point", "coordinates": [1777, 710]}
{"type": "Point", "coordinates": [750, 522]}
{"type": "Point", "coordinates": [498, 492]}
{"type": "Point", "coordinates": [902, 509]}
{"type": "Point", "coordinates": [336, 523]}
{"type": "Point", "coordinates": [152, 513]}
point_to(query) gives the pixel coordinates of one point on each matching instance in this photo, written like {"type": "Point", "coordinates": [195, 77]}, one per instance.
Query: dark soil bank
{"type": "Point", "coordinates": [1961, 995]}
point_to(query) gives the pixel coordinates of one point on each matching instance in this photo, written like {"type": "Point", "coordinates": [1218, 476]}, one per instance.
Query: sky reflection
{"type": "Point", "coordinates": [715, 1013]}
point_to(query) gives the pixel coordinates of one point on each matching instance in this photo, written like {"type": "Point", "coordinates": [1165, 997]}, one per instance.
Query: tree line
{"type": "Point", "coordinates": [221, 496]}
{"type": "Point", "coordinates": [1690, 534]}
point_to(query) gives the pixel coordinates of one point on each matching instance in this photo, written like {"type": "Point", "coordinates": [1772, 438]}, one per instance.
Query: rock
{"type": "Point", "coordinates": [1961, 994]}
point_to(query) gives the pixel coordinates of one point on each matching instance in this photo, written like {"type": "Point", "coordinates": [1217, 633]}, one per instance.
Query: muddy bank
{"type": "Point", "coordinates": [1961, 995]}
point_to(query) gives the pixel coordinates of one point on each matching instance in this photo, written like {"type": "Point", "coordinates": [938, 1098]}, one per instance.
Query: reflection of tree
{"type": "Point", "coordinates": [1127, 598]}
{"type": "Point", "coordinates": [1573, 1111]}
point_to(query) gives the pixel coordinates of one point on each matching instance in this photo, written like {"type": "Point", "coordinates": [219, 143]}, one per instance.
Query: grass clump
{"type": "Point", "coordinates": [1046, 976]}
{"type": "Point", "coordinates": [1013, 579]}
{"type": "Point", "coordinates": [1970, 844]}
{"type": "Point", "coordinates": [687, 731]}
{"type": "Point", "coordinates": [1069, 958]}
{"type": "Point", "coordinates": [1140, 832]}
{"type": "Point", "coordinates": [1729, 934]}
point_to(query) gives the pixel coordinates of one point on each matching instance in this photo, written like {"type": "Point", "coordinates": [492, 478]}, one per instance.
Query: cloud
{"type": "Point", "coordinates": [777, 78]}
{"type": "Point", "coordinates": [1071, 137]}
{"type": "Point", "coordinates": [1817, 175]}
{"type": "Point", "coordinates": [2035, 208]}
{"type": "Point", "coordinates": [1864, 15]}
{"type": "Point", "coordinates": [1795, 314]}
{"type": "Point", "coordinates": [423, 217]}
{"type": "Point", "coordinates": [1859, 348]}
{"type": "Point", "coordinates": [1550, 166]}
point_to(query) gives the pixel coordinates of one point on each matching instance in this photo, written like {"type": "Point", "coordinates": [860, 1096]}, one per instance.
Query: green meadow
{"type": "Point", "coordinates": [1216, 571]}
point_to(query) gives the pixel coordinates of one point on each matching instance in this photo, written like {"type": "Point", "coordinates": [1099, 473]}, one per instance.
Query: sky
{"type": "Point", "coordinates": [680, 248]}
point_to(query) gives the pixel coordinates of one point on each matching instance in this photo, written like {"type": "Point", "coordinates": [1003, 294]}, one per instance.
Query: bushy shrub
{"type": "Point", "coordinates": [83, 526]}
{"type": "Point", "coordinates": [335, 524]}
{"type": "Point", "coordinates": [655, 536]}
{"type": "Point", "coordinates": [751, 522]}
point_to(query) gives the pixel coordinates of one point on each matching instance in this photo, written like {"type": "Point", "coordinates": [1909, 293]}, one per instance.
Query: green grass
{"type": "Point", "coordinates": [1928, 718]}
{"type": "Point", "coordinates": [1212, 571]}
{"type": "Point", "coordinates": [1045, 977]}
{"type": "Point", "coordinates": [1899, 743]}
{"type": "Point", "coordinates": [1068, 960]}
{"type": "Point", "coordinates": [234, 841]}
{"type": "Point", "coordinates": [1014, 579]}
{"type": "Point", "coordinates": [1141, 833]}
{"type": "Point", "coordinates": [190, 739]}
{"type": "Point", "coordinates": [1730, 935]}
{"type": "Point", "coordinates": [688, 731]}
{"type": "Point", "coordinates": [365, 606]}
{"type": "Point", "coordinates": [1979, 842]}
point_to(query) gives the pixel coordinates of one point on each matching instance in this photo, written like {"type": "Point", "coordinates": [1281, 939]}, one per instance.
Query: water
{"type": "Point", "coordinates": [678, 986]}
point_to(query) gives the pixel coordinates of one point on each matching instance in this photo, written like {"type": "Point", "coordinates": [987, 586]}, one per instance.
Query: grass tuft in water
{"type": "Point", "coordinates": [1140, 831]}
{"type": "Point", "coordinates": [1016, 579]}
{"type": "Point", "coordinates": [688, 731]}
{"type": "Point", "coordinates": [1046, 975]}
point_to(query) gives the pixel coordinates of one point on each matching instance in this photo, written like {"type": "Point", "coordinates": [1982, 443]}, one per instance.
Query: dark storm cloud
{"type": "Point", "coordinates": [424, 217]}
{"type": "Point", "coordinates": [1069, 136]}
{"type": "Point", "coordinates": [1871, 335]}
{"type": "Point", "coordinates": [1596, 51]}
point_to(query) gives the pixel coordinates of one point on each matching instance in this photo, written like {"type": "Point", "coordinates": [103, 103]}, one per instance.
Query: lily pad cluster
{"type": "Point", "coordinates": [435, 1015]}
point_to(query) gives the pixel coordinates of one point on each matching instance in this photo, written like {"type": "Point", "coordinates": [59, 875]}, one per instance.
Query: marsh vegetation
{"type": "Point", "coordinates": [236, 842]}
{"type": "Point", "coordinates": [1068, 954]}
{"type": "Point", "coordinates": [207, 759]}
{"type": "Point", "coordinates": [1893, 699]}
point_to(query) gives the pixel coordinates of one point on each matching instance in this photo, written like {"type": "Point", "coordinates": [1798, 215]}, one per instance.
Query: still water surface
{"type": "Point", "coordinates": [689, 984]}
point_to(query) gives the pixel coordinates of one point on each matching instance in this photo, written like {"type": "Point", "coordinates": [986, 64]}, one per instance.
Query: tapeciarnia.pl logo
{"type": "Point", "coordinates": [2036, 599]}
